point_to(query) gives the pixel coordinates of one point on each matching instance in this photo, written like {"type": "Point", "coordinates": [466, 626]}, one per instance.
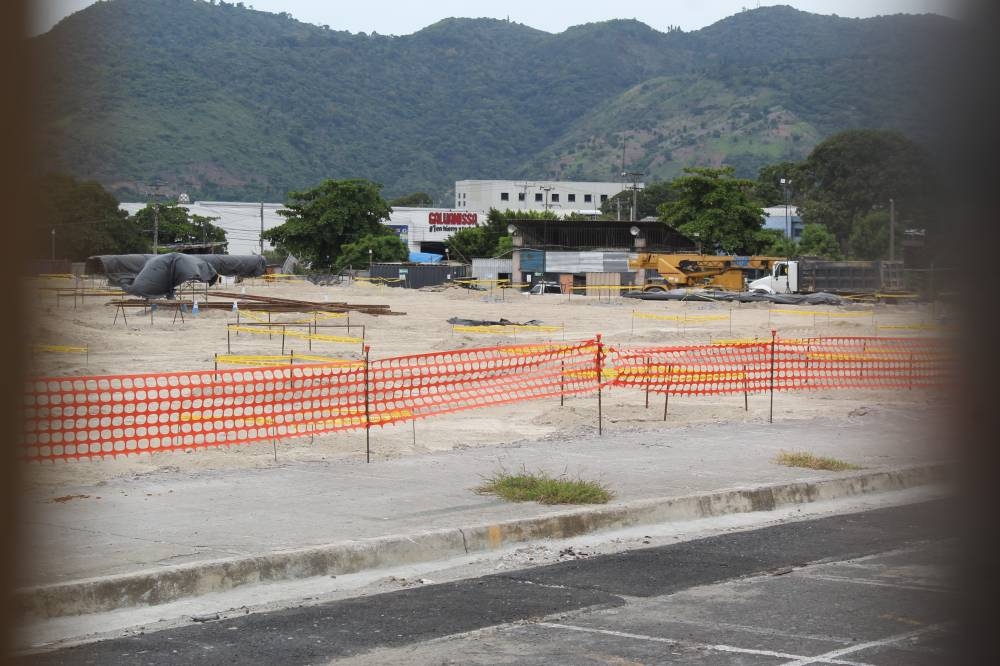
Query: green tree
{"type": "Point", "coordinates": [852, 172]}
{"type": "Point", "coordinates": [417, 199]}
{"type": "Point", "coordinates": [817, 241]}
{"type": "Point", "coordinates": [383, 247]}
{"type": "Point", "coordinates": [769, 190]}
{"type": "Point", "coordinates": [320, 222]}
{"type": "Point", "coordinates": [491, 239]}
{"type": "Point", "coordinates": [774, 243]}
{"type": "Point", "coordinates": [714, 207]}
{"type": "Point", "coordinates": [869, 237]}
{"type": "Point", "coordinates": [86, 220]}
{"type": "Point", "coordinates": [176, 226]}
{"type": "Point", "coordinates": [647, 200]}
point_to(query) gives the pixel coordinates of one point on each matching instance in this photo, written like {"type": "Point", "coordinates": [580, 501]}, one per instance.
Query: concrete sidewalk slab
{"type": "Point", "coordinates": [157, 537]}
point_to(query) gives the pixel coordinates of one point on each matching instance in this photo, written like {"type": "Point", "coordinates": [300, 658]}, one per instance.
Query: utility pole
{"type": "Point", "coordinates": [635, 176]}
{"type": "Point", "coordinates": [546, 188]}
{"type": "Point", "coordinates": [156, 227]}
{"type": "Point", "coordinates": [262, 228]}
{"type": "Point", "coordinates": [892, 230]}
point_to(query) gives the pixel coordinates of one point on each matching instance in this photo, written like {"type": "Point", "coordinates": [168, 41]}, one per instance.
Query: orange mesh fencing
{"type": "Point", "coordinates": [801, 364]}
{"type": "Point", "coordinates": [94, 417]}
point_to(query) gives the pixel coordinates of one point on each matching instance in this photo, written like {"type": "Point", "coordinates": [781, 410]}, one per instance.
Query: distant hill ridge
{"type": "Point", "coordinates": [225, 102]}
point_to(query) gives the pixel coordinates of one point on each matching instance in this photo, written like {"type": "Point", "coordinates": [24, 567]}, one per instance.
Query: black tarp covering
{"type": "Point", "coordinates": [124, 270]}
{"type": "Point", "coordinates": [240, 265]}
{"type": "Point", "coordinates": [820, 298]}
{"type": "Point", "coordinates": [120, 269]}
{"type": "Point", "coordinates": [458, 321]}
{"type": "Point", "coordinates": [163, 273]}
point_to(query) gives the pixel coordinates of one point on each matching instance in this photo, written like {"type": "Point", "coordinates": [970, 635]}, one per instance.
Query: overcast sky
{"type": "Point", "coordinates": [395, 17]}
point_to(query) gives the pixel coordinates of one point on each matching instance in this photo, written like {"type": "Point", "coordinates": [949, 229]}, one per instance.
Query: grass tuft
{"type": "Point", "coordinates": [540, 487]}
{"type": "Point", "coordinates": [803, 459]}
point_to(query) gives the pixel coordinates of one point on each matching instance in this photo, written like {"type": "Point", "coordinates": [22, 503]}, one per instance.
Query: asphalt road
{"type": "Point", "coordinates": [863, 588]}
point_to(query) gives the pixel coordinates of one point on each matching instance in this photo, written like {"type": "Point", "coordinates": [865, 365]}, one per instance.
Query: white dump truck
{"type": "Point", "coordinates": [807, 276]}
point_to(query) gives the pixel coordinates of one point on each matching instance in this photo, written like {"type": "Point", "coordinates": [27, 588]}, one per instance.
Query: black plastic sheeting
{"type": "Point", "coordinates": [458, 321]}
{"type": "Point", "coordinates": [162, 274]}
{"type": "Point", "coordinates": [240, 265]}
{"type": "Point", "coordinates": [150, 275]}
{"type": "Point", "coordinates": [120, 269]}
{"type": "Point", "coordinates": [819, 298]}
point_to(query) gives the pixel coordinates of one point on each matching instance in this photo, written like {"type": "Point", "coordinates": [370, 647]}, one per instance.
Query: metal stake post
{"type": "Point", "coordinates": [666, 393]}
{"type": "Point", "coordinates": [649, 379]}
{"type": "Point", "coordinates": [770, 415]}
{"type": "Point", "coordinates": [600, 350]}
{"type": "Point", "coordinates": [368, 447]}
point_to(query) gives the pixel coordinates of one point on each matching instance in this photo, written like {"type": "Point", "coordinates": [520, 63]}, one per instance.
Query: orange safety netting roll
{"type": "Point", "coordinates": [92, 417]}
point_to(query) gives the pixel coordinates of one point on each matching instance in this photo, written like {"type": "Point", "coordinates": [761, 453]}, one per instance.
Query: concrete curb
{"type": "Point", "coordinates": [162, 585]}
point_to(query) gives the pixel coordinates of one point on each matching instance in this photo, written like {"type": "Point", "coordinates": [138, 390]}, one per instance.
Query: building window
{"type": "Point", "coordinates": [571, 197]}
{"type": "Point", "coordinates": [587, 198]}
{"type": "Point", "coordinates": [604, 197]}
{"type": "Point", "coordinates": [504, 196]}
{"type": "Point", "coordinates": [520, 196]}
{"type": "Point", "coordinates": [538, 196]}
{"type": "Point", "coordinates": [555, 197]}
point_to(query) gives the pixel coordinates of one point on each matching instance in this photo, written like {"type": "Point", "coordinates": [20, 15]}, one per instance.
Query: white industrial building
{"type": "Point", "coordinates": [422, 229]}
{"type": "Point", "coordinates": [560, 196]}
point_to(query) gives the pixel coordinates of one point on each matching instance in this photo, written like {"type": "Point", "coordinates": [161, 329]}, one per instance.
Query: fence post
{"type": "Point", "coordinates": [282, 340]}
{"type": "Point", "coordinates": [599, 354]}
{"type": "Point", "coordinates": [648, 380]}
{"type": "Point", "coordinates": [666, 393]}
{"type": "Point", "coordinates": [746, 390]}
{"type": "Point", "coordinates": [368, 448]}
{"type": "Point", "coordinates": [770, 415]}
{"type": "Point", "coordinates": [229, 347]}
{"type": "Point", "coordinates": [562, 382]}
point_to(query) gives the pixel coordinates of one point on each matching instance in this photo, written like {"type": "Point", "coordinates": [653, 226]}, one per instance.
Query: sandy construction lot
{"type": "Point", "coordinates": [163, 345]}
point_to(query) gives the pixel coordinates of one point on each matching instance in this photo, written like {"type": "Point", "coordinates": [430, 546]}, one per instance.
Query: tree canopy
{"type": "Point", "coordinates": [417, 199]}
{"type": "Point", "coordinates": [714, 208]}
{"type": "Point", "coordinates": [77, 219]}
{"type": "Point", "coordinates": [176, 226]}
{"type": "Point", "coordinates": [330, 220]}
{"type": "Point", "coordinates": [491, 239]}
{"type": "Point", "coordinates": [852, 173]}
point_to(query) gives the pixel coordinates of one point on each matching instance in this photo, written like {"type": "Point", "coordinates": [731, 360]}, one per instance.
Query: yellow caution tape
{"type": "Point", "coordinates": [684, 317]}
{"type": "Point", "coordinates": [505, 329]}
{"type": "Point", "coordinates": [272, 360]}
{"type": "Point", "coordinates": [296, 334]}
{"type": "Point", "coordinates": [816, 313]}
{"type": "Point", "coordinates": [61, 349]}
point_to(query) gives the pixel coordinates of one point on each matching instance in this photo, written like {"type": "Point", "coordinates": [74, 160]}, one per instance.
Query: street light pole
{"type": "Point", "coordinates": [788, 218]}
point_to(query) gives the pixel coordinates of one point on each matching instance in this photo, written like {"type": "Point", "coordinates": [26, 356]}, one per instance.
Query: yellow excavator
{"type": "Point", "coordinates": [725, 272]}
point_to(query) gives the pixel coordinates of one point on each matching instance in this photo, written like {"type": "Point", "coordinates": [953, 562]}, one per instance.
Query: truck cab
{"type": "Point", "coordinates": [783, 279]}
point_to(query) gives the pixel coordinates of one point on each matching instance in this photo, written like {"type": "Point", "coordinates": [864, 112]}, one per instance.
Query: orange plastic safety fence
{"type": "Point", "coordinates": [807, 364]}
{"type": "Point", "coordinates": [94, 417]}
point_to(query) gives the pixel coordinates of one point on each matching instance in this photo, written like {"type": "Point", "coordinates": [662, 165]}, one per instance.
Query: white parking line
{"type": "Point", "coordinates": [828, 657]}
{"type": "Point", "coordinates": [696, 645]}
{"type": "Point", "coordinates": [876, 583]}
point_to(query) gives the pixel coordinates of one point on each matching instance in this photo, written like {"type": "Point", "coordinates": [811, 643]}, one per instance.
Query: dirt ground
{"type": "Point", "coordinates": [162, 344]}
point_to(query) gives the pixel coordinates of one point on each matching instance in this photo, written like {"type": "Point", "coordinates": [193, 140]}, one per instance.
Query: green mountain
{"type": "Point", "coordinates": [225, 102]}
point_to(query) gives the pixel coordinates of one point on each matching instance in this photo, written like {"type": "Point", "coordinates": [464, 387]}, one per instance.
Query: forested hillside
{"type": "Point", "coordinates": [225, 102]}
